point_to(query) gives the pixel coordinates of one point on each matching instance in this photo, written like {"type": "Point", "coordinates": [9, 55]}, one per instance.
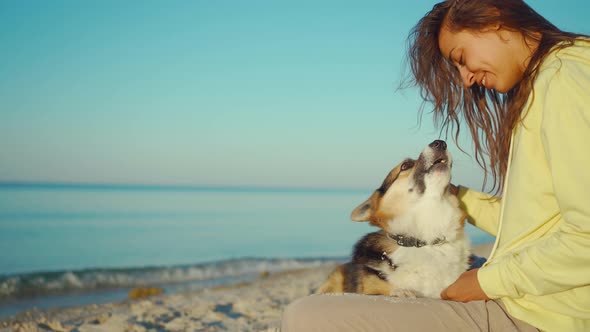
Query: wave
{"type": "Point", "coordinates": [63, 282]}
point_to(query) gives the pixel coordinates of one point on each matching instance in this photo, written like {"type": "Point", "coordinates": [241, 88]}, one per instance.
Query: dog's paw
{"type": "Point", "coordinates": [405, 293]}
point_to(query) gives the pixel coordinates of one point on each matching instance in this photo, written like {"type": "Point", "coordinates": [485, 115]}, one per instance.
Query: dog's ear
{"type": "Point", "coordinates": [362, 212]}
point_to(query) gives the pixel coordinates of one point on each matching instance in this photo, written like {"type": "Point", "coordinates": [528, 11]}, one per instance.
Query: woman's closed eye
{"type": "Point", "coordinates": [458, 62]}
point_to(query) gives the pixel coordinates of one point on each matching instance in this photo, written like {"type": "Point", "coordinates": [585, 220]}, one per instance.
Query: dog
{"type": "Point", "coordinates": [421, 247]}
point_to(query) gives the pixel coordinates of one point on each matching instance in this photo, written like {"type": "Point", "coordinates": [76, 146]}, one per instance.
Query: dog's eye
{"type": "Point", "coordinates": [407, 165]}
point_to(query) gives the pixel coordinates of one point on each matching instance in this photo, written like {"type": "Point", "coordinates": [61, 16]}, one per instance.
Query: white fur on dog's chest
{"type": "Point", "coordinates": [430, 269]}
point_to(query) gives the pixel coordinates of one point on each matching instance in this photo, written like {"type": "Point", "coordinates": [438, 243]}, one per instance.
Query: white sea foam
{"type": "Point", "coordinates": [86, 280]}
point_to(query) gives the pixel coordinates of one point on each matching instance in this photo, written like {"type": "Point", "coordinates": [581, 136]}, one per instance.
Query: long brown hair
{"type": "Point", "coordinates": [490, 115]}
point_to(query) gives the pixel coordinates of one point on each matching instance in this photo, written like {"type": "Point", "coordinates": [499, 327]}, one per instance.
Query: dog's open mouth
{"type": "Point", "coordinates": [440, 161]}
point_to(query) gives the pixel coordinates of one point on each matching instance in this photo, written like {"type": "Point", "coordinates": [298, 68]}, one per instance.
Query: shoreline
{"type": "Point", "coordinates": [255, 305]}
{"type": "Point", "coordinates": [68, 288]}
{"type": "Point", "coordinates": [249, 306]}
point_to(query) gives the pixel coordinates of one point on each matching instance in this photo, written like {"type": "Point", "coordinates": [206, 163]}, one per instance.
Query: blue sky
{"type": "Point", "coordinates": [262, 93]}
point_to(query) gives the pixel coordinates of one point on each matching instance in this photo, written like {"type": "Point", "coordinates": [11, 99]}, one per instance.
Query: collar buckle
{"type": "Point", "coordinates": [409, 241]}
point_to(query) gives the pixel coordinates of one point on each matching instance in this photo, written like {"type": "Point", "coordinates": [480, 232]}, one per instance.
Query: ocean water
{"type": "Point", "coordinates": [63, 245]}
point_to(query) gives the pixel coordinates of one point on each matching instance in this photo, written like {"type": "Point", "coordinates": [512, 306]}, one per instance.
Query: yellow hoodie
{"type": "Point", "coordinates": [540, 264]}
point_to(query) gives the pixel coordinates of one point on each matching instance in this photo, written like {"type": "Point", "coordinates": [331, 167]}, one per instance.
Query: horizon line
{"type": "Point", "coordinates": [166, 187]}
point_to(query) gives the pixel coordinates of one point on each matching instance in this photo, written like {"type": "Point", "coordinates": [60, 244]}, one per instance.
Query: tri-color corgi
{"type": "Point", "coordinates": [421, 247]}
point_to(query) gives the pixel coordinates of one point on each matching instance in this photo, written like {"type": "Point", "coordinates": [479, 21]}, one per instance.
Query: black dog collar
{"type": "Point", "coordinates": [409, 241]}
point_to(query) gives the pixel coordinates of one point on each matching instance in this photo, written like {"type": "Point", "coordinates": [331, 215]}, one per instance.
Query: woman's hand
{"type": "Point", "coordinates": [465, 289]}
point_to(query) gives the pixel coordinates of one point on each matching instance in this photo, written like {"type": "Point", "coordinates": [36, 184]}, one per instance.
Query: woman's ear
{"type": "Point", "coordinates": [496, 27]}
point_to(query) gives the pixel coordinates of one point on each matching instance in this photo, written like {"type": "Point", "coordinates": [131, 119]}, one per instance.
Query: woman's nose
{"type": "Point", "coordinates": [467, 76]}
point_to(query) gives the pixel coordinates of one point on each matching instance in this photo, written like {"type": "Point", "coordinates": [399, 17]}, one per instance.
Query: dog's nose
{"type": "Point", "coordinates": [439, 145]}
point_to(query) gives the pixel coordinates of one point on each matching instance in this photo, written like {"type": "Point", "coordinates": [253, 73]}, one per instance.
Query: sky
{"type": "Point", "coordinates": [232, 93]}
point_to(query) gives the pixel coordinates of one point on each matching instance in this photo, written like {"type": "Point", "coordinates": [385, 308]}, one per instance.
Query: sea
{"type": "Point", "coordinates": [69, 244]}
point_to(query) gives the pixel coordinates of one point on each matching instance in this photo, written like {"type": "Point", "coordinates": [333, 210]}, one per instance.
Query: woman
{"type": "Point", "coordinates": [522, 86]}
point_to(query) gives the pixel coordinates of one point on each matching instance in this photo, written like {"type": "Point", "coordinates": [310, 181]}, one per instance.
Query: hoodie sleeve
{"type": "Point", "coordinates": [560, 261]}
{"type": "Point", "coordinates": [483, 210]}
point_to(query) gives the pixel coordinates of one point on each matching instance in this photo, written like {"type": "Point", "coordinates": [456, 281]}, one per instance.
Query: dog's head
{"type": "Point", "coordinates": [408, 186]}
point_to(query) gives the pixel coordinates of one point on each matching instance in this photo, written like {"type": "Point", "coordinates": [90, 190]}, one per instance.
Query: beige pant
{"type": "Point", "coordinates": [352, 312]}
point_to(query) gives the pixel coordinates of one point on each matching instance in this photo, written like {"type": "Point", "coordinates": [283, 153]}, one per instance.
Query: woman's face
{"type": "Point", "coordinates": [495, 59]}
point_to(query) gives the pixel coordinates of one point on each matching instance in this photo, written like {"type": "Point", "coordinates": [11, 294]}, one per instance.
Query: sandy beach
{"type": "Point", "coordinates": [253, 306]}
